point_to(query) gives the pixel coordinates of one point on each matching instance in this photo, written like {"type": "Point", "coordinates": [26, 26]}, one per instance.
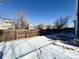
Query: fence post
{"type": "Point", "coordinates": [16, 34]}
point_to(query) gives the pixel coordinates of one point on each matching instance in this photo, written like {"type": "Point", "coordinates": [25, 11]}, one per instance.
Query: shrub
{"type": "Point", "coordinates": [77, 42]}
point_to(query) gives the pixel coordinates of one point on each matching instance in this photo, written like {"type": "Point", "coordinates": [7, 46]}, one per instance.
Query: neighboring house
{"type": "Point", "coordinates": [50, 26]}
{"type": "Point", "coordinates": [7, 24]}
{"type": "Point", "coordinates": [42, 26]}
{"type": "Point", "coordinates": [31, 26]}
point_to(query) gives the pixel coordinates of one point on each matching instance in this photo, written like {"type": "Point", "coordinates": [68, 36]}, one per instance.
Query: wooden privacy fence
{"type": "Point", "coordinates": [26, 33]}
{"type": "Point", "coordinates": [18, 34]}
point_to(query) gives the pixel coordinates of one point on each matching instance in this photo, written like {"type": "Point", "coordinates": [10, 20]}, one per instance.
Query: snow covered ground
{"type": "Point", "coordinates": [39, 47]}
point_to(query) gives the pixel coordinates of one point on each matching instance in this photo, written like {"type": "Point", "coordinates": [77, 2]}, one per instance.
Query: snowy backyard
{"type": "Point", "coordinates": [39, 29]}
{"type": "Point", "coordinates": [39, 47]}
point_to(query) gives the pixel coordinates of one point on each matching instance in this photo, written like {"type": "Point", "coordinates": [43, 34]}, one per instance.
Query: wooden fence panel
{"type": "Point", "coordinates": [18, 34]}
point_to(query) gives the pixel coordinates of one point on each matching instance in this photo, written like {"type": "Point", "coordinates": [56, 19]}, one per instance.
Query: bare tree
{"type": "Point", "coordinates": [41, 26]}
{"type": "Point", "coordinates": [23, 20]}
{"type": "Point", "coordinates": [49, 26]}
{"type": "Point", "coordinates": [62, 22]}
{"type": "Point", "coordinates": [17, 26]}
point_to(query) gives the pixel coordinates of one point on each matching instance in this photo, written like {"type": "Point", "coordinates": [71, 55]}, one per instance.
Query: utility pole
{"type": "Point", "coordinates": [77, 20]}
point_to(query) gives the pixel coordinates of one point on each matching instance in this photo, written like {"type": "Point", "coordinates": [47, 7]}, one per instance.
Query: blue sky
{"type": "Point", "coordinates": [37, 11]}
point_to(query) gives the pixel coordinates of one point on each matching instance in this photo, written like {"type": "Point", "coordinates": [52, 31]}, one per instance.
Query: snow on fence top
{"type": "Point", "coordinates": [39, 47]}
